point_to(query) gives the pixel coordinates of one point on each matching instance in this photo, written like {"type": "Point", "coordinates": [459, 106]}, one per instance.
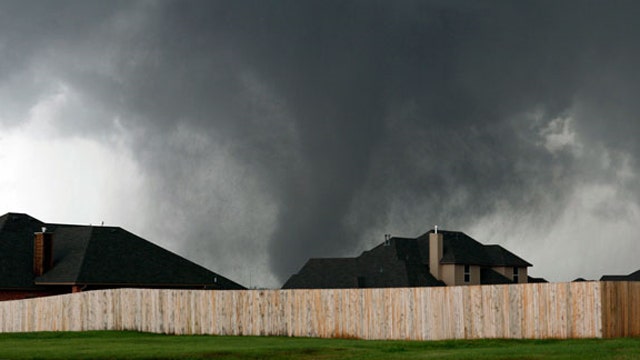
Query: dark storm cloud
{"type": "Point", "coordinates": [371, 103]}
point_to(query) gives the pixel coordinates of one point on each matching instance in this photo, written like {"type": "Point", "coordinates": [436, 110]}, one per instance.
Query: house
{"type": "Point", "coordinates": [39, 259]}
{"type": "Point", "coordinates": [634, 276]}
{"type": "Point", "coordinates": [436, 258]}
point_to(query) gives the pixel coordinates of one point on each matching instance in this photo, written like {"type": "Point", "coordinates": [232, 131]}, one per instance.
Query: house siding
{"type": "Point", "coordinates": [453, 274]}
{"type": "Point", "coordinates": [523, 275]}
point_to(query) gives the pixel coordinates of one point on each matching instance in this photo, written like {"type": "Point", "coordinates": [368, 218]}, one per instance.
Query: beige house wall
{"type": "Point", "coordinates": [448, 274]}
{"type": "Point", "coordinates": [475, 275]}
{"type": "Point", "coordinates": [523, 275]}
{"type": "Point", "coordinates": [454, 274]}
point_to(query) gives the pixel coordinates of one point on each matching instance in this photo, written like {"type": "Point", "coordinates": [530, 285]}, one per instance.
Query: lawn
{"type": "Point", "coordinates": [132, 345]}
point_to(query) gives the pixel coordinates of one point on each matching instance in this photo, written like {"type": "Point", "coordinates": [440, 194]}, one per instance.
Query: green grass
{"type": "Point", "coordinates": [132, 345]}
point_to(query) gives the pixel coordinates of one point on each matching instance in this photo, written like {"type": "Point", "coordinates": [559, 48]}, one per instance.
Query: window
{"type": "Point", "coordinates": [467, 273]}
{"type": "Point", "coordinates": [515, 275]}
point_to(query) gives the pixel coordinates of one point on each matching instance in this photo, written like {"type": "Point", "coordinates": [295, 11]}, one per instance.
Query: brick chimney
{"type": "Point", "coordinates": [42, 252]}
{"type": "Point", "coordinates": [435, 253]}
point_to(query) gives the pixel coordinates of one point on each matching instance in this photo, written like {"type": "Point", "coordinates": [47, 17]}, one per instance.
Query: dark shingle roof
{"type": "Point", "coordinates": [69, 249]}
{"type": "Point", "coordinates": [16, 250]}
{"type": "Point", "coordinates": [459, 248]}
{"type": "Point", "coordinates": [325, 273]}
{"type": "Point", "coordinates": [90, 255]}
{"type": "Point", "coordinates": [395, 264]}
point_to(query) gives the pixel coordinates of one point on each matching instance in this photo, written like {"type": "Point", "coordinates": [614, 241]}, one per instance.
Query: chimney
{"type": "Point", "coordinates": [42, 252]}
{"type": "Point", "coordinates": [435, 253]}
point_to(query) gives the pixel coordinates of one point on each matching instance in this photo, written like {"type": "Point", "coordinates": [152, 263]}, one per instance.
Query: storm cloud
{"type": "Point", "coordinates": [265, 133]}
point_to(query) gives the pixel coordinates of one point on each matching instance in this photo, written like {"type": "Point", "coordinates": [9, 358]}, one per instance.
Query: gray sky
{"type": "Point", "coordinates": [249, 136]}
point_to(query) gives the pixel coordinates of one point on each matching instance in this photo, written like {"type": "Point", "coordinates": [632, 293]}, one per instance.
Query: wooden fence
{"type": "Point", "coordinates": [556, 310]}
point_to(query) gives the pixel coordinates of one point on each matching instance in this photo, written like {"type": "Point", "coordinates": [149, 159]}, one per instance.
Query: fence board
{"type": "Point", "coordinates": [620, 309]}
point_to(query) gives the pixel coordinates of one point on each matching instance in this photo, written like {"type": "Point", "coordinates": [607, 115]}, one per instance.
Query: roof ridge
{"type": "Point", "coordinates": [85, 225]}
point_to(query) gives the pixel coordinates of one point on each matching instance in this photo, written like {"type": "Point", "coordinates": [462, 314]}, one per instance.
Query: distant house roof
{"type": "Point", "coordinates": [634, 276]}
{"type": "Point", "coordinates": [404, 262]}
{"type": "Point", "coordinates": [95, 255]}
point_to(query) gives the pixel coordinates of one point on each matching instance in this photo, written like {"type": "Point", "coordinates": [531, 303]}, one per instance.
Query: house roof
{"type": "Point", "coordinates": [325, 273]}
{"type": "Point", "coordinates": [404, 262]}
{"type": "Point", "coordinates": [396, 263]}
{"type": "Point", "coordinates": [634, 276]}
{"type": "Point", "coordinates": [95, 255]}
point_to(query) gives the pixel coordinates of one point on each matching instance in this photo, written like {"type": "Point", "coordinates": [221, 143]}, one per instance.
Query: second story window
{"type": "Point", "coordinates": [467, 273]}
{"type": "Point", "coordinates": [516, 276]}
